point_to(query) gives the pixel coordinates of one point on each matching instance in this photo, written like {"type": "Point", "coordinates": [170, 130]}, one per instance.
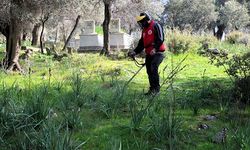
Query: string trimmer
{"type": "Point", "coordinates": [141, 65]}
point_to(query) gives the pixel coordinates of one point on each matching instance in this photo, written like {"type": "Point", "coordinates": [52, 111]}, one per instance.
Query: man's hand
{"type": "Point", "coordinates": [131, 54]}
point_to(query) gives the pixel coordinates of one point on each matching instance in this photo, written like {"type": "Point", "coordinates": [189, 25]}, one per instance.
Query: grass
{"type": "Point", "coordinates": [78, 104]}
{"type": "Point", "coordinates": [99, 30]}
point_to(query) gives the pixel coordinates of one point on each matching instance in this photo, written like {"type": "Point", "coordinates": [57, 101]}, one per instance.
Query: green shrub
{"type": "Point", "coordinates": [238, 68]}
{"type": "Point", "coordinates": [241, 90]}
{"type": "Point", "coordinates": [178, 46]}
{"type": "Point", "coordinates": [181, 42]}
{"type": "Point", "coordinates": [234, 37]}
{"type": "Point", "coordinates": [244, 40]}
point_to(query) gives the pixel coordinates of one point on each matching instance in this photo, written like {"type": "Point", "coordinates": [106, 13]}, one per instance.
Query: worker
{"type": "Point", "coordinates": [152, 41]}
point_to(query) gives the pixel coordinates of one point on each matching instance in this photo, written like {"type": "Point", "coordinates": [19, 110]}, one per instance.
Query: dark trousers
{"type": "Point", "coordinates": [152, 65]}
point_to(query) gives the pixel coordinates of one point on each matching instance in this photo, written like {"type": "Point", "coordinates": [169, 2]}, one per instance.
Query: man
{"type": "Point", "coordinates": [152, 41]}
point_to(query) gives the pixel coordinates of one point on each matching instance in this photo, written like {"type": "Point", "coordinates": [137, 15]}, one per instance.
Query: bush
{"type": "Point", "coordinates": [181, 42]}
{"type": "Point", "coordinates": [178, 46]}
{"type": "Point", "coordinates": [178, 43]}
{"type": "Point", "coordinates": [234, 37]}
{"type": "Point", "coordinates": [244, 40]}
{"type": "Point", "coordinates": [238, 68]}
{"type": "Point", "coordinates": [241, 89]}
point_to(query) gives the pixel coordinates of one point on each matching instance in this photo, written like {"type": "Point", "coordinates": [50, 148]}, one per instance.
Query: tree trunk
{"type": "Point", "coordinates": [64, 33]}
{"type": "Point", "coordinates": [13, 45]}
{"type": "Point", "coordinates": [35, 34]}
{"type": "Point", "coordinates": [71, 34]}
{"type": "Point", "coordinates": [43, 21]}
{"type": "Point", "coordinates": [24, 37]}
{"type": "Point", "coordinates": [41, 37]}
{"type": "Point", "coordinates": [106, 22]}
{"type": "Point", "coordinates": [221, 2]}
{"type": "Point", "coordinates": [56, 36]}
{"type": "Point", "coordinates": [219, 33]}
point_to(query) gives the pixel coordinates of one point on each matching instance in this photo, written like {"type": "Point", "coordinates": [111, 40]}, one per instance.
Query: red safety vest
{"type": "Point", "coordinates": [149, 39]}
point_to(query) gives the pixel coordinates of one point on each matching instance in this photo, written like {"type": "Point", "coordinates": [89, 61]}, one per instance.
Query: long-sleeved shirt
{"type": "Point", "coordinates": [159, 39]}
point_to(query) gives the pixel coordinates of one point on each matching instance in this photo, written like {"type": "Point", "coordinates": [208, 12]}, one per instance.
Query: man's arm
{"type": "Point", "coordinates": [140, 47]}
{"type": "Point", "coordinates": [159, 36]}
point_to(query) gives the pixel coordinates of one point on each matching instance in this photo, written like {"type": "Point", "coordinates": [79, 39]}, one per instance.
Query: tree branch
{"type": "Point", "coordinates": [72, 32]}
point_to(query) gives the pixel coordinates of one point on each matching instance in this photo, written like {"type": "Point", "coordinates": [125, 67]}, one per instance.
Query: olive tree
{"type": "Point", "coordinates": [128, 10]}
{"type": "Point", "coordinates": [14, 15]}
{"type": "Point", "coordinates": [234, 15]}
{"type": "Point", "coordinates": [195, 13]}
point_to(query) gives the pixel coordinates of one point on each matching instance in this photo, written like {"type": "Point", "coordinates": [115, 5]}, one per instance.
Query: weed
{"type": "Point", "coordinates": [39, 106]}
{"type": "Point", "coordinates": [114, 144]}
{"type": "Point", "coordinates": [111, 106]}
{"type": "Point", "coordinates": [14, 124]}
{"type": "Point", "coordinates": [112, 75]}
{"type": "Point", "coordinates": [77, 85]}
{"type": "Point", "coordinates": [138, 112]}
{"type": "Point", "coordinates": [138, 143]}
{"type": "Point", "coordinates": [52, 138]}
{"type": "Point", "coordinates": [240, 138]}
{"type": "Point", "coordinates": [72, 119]}
{"type": "Point", "coordinates": [165, 126]}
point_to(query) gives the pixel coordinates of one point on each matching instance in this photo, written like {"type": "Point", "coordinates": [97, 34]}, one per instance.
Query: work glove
{"type": "Point", "coordinates": [131, 54]}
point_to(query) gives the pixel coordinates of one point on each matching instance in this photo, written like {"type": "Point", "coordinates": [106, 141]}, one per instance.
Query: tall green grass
{"type": "Point", "coordinates": [80, 103]}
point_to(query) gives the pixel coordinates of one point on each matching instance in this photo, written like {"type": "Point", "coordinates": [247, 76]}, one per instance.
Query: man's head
{"type": "Point", "coordinates": [143, 20]}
